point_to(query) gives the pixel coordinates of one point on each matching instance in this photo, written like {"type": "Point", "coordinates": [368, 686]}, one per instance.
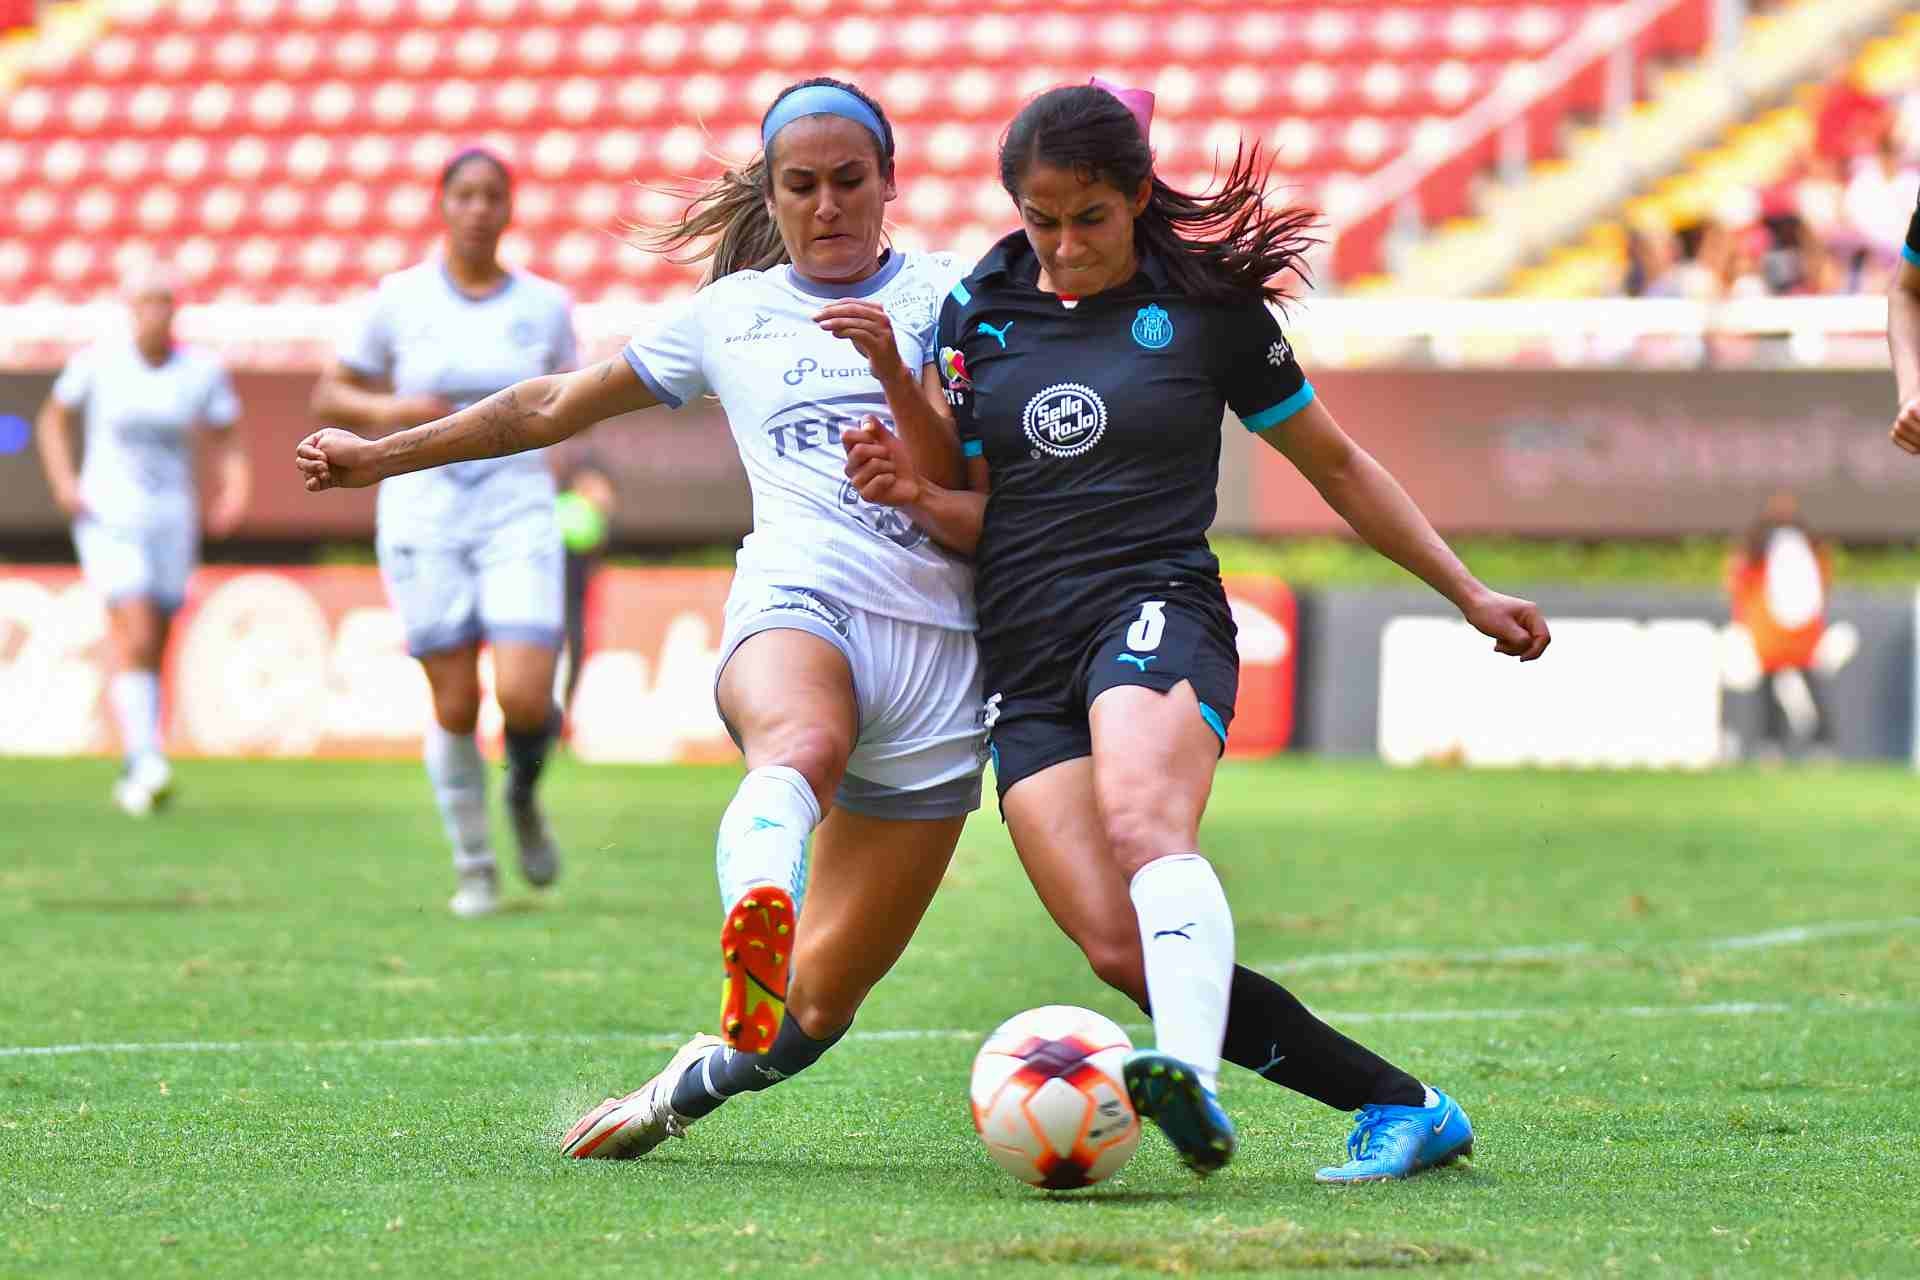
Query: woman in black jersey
{"type": "Point", "coordinates": [1903, 337]}
{"type": "Point", "coordinates": [1088, 362]}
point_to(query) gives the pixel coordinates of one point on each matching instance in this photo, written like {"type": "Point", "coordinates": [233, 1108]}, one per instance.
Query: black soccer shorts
{"type": "Point", "coordinates": [1155, 644]}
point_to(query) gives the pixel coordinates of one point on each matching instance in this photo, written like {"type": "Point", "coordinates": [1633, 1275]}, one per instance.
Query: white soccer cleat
{"type": "Point", "coordinates": [622, 1128]}
{"type": "Point", "coordinates": [154, 774]}
{"type": "Point", "coordinates": [478, 894]}
{"type": "Point", "coordinates": [131, 798]}
{"type": "Point", "coordinates": [143, 786]}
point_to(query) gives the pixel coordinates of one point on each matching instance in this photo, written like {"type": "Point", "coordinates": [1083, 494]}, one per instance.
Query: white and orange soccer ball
{"type": "Point", "coordinates": [1049, 1100]}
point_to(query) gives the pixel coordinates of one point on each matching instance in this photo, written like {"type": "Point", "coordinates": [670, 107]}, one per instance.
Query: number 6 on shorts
{"type": "Point", "coordinates": [1144, 634]}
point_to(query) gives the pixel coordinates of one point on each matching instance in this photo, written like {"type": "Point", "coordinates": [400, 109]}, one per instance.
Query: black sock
{"type": "Point", "coordinates": [1272, 1034]}
{"type": "Point", "coordinates": [527, 753]}
{"type": "Point", "coordinates": [726, 1073]}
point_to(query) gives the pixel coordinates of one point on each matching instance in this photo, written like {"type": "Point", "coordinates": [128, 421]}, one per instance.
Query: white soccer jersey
{"type": "Point", "coordinates": [425, 337]}
{"type": "Point", "coordinates": [788, 388]}
{"type": "Point", "coordinates": [137, 463]}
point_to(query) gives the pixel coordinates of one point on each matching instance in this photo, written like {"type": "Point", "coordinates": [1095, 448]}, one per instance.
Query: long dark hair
{"type": "Point", "coordinates": [726, 223]}
{"type": "Point", "coordinates": [1226, 246]}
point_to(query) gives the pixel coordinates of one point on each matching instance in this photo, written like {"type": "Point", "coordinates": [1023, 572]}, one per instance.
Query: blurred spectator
{"type": "Point", "coordinates": [1851, 119]}
{"type": "Point", "coordinates": [1741, 276]}
{"type": "Point", "coordinates": [1652, 250]}
{"type": "Point", "coordinates": [1878, 203]}
{"type": "Point", "coordinates": [1815, 268]}
{"type": "Point", "coordinates": [1906, 122]}
{"type": "Point", "coordinates": [1777, 579]}
{"type": "Point", "coordinates": [1723, 264]}
{"type": "Point", "coordinates": [585, 511]}
{"type": "Point", "coordinates": [1819, 195]}
{"type": "Point", "coordinates": [1701, 275]}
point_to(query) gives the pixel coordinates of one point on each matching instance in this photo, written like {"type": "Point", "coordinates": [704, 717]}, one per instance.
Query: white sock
{"type": "Point", "coordinates": [1186, 933]}
{"type": "Point", "coordinates": [136, 705]}
{"type": "Point", "coordinates": [765, 833]}
{"type": "Point", "coordinates": [460, 788]}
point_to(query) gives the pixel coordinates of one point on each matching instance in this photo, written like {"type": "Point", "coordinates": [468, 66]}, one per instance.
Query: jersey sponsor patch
{"type": "Point", "coordinates": [953, 368]}
{"type": "Point", "coordinates": [1065, 420]}
{"type": "Point", "coordinates": [807, 367]}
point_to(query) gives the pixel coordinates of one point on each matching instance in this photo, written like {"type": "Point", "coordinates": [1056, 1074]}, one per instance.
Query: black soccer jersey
{"type": "Point", "coordinates": [1100, 426]}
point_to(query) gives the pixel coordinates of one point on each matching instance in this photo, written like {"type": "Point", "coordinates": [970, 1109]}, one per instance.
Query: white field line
{"type": "Point", "coordinates": [664, 1040]}
{"type": "Point", "coordinates": [1789, 937]}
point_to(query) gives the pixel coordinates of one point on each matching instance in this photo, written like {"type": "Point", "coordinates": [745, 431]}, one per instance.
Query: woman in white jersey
{"type": "Point", "coordinates": [472, 552]}
{"type": "Point", "coordinates": [848, 672]}
{"type": "Point", "coordinates": [143, 400]}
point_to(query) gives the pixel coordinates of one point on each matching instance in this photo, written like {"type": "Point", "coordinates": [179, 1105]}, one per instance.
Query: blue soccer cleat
{"type": "Point", "coordinates": [1169, 1092]}
{"type": "Point", "coordinates": [1398, 1142]}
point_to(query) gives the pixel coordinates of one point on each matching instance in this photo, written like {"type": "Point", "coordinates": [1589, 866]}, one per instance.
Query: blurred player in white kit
{"type": "Point", "coordinates": [142, 401]}
{"type": "Point", "coordinates": [470, 552]}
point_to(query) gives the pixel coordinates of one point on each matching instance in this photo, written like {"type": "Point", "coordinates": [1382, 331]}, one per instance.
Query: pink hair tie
{"type": "Point", "coordinates": [1139, 102]}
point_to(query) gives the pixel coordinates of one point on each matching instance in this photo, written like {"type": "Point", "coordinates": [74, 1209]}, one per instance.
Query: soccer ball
{"type": "Point", "coordinates": [1048, 1099]}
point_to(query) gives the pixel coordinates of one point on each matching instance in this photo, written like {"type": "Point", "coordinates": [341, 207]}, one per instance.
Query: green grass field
{"type": "Point", "coordinates": [280, 1054]}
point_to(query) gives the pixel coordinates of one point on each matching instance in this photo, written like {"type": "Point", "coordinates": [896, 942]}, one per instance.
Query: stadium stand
{"type": "Point", "coordinates": [1780, 204]}
{"type": "Point", "coordinates": [285, 150]}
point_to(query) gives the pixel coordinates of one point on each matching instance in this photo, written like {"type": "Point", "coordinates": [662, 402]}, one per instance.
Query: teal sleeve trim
{"type": "Point", "coordinates": [1215, 723]}
{"type": "Point", "coordinates": [1906, 251]}
{"type": "Point", "coordinates": [960, 293]}
{"type": "Point", "coordinates": [1282, 411]}
{"type": "Point", "coordinates": [972, 448]}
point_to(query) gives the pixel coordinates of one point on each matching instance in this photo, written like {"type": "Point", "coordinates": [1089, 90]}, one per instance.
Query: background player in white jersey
{"type": "Point", "coordinates": [849, 672]}
{"type": "Point", "coordinates": [136, 524]}
{"type": "Point", "coordinates": [469, 553]}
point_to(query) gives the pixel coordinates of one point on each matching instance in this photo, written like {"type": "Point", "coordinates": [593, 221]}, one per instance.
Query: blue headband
{"type": "Point", "coordinates": [822, 100]}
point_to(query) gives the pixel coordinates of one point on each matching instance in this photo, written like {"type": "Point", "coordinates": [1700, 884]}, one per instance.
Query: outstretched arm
{"type": "Point", "coordinates": [1903, 339]}
{"type": "Point", "coordinates": [528, 415]}
{"type": "Point", "coordinates": [1369, 499]}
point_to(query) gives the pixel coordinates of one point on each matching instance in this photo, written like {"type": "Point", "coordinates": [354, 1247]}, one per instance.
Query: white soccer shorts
{"type": "Point", "coordinates": [506, 586]}
{"type": "Point", "coordinates": [137, 561]}
{"type": "Point", "coordinates": [921, 744]}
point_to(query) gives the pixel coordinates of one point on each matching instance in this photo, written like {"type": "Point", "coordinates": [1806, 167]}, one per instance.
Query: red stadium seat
{"type": "Point", "coordinates": [289, 148]}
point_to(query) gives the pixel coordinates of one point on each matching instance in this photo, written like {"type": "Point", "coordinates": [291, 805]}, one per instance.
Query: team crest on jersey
{"type": "Point", "coordinates": [1153, 327]}
{"type": "Point", "coordinates": [953, 369]}
{"type": "Point", "coordinates": [1066, 420]}
{"type": "Point", "coordinates": [522, 332]}
{"type": "Point", "coordinates": [911, 309]}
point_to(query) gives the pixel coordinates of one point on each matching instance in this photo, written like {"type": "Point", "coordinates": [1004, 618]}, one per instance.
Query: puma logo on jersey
{"type": "Point", "coordinates": [1135, 659]}
{"type": "Point", "coordinates": [998, 335]}
{"type": "Point", "coordinates": [1181, 932]}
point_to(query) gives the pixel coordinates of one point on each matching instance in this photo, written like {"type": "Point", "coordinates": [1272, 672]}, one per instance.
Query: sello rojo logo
{"type": "Point", "coordinates": [1066, 420]}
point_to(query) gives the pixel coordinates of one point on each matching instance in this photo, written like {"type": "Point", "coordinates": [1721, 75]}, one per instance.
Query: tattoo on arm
{"type": "Point", "coordinates": [499, 429]}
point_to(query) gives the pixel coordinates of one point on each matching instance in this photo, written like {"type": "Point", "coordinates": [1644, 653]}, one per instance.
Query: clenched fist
{"type": "Point", "coordinates": [334, 459]}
